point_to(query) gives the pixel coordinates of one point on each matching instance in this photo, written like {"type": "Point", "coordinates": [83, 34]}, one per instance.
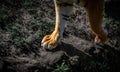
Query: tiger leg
{"type": "Point", "coordinates": [95, 13]}
{"type": "Point", "coordinates": [62, 12]}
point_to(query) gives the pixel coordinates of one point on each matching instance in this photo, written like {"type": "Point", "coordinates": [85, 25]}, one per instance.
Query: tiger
{"type": "Point", "coordinates": [63, 8]}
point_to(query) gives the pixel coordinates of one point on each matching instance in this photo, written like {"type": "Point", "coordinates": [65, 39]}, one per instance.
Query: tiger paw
{"type": "Point", "coordinates": [101, 38]}
{"type": "Point", "coordinates": [51, 41]}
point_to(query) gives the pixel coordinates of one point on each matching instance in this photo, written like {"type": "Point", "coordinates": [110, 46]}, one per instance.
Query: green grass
{"type": "Point", "coordinates": [61, 68]}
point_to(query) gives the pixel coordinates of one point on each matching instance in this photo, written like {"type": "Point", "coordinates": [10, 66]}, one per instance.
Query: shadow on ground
{"type": "Point", "coordinates": [81, 55]}
{"type": "Point", "coordinates": [77, 50]}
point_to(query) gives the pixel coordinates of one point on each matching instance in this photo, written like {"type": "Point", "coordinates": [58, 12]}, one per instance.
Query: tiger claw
{"type": "Point", "coordinates": [101, 39]}
{"type": "Point", "coordinates": [50, 41]}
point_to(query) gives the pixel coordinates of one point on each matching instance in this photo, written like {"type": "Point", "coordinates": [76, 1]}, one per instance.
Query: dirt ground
{"type": "Point", "coordinates": [23, 24]}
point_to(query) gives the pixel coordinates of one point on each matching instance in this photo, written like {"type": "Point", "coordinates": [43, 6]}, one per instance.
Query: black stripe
{"type": "Point", "coordinates": [65, 17]}
{"type": "Point", "coordinates": [86, 4]}
{"type": "Point", "coordinates": [65, 4]}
